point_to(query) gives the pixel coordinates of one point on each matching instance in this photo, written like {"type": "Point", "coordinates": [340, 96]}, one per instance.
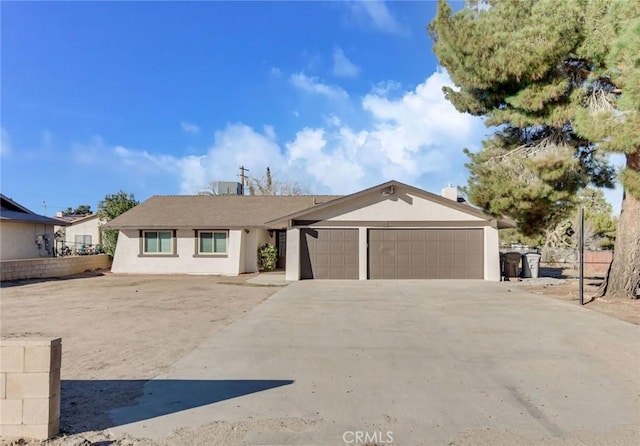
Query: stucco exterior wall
{"type": "Point", "coordinates": [18, 240]}
{"type": "Point", "coordinates": [363, 253]}
{"type": "Point", "coordinates": [127, 258]}
{"type": "Point", "coordinates": [292, 269]}
{"type": "Point", "coordinates": [252, 241]}
{"type": "Point", "coordinates": [400, 206]}
{"type": "Point", "coordinates": [491, 254]}
{"type": "Point", "coordinates": [85, 227]}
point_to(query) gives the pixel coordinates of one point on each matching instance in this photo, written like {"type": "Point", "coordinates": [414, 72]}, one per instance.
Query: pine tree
{"type": "Point", "coordinates": [561, 79]}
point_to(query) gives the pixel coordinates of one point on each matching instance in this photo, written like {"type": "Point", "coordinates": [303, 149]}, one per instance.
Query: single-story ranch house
{"type": "Point", "coordinates": [389, 231]}
{"type": "Point", "coordinates": [25, 234]}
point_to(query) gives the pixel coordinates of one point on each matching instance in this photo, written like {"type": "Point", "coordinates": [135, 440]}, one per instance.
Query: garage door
{"type": "Point", "coordinates": [329, 254]}
{"type": "Point", "coordinates": [426, 253]}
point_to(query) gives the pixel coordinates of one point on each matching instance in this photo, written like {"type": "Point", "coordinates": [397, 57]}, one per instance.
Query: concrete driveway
{"type": "Point", "coordinates": [405, 363]}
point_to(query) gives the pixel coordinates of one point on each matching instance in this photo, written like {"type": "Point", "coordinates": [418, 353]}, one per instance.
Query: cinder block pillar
{"type": "Point", "coordinates": [30, 387]}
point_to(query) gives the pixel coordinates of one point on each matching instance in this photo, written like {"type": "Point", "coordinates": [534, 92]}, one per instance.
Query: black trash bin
{"type": "Point", "coordinates": [511, 262]}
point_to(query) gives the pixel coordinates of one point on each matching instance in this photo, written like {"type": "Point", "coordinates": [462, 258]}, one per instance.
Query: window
{"type": "Point", "coordinates": [158, 242]}
{"type": "Point", "coordinates": [82, 240]}
{"type": "Point", "coordinates": [282, 243]}
{"type": "Point", "coordinates": [212, 242]}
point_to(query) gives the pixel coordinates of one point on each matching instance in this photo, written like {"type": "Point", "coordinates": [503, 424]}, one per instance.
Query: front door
{"type": "Point", "coordinates": [281, 245]}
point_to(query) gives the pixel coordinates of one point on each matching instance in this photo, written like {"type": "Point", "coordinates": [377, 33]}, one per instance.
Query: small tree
{"type": "Point", "coordinates": [266, 185]}
{"type": "Point", "coordinates": [108, 209]}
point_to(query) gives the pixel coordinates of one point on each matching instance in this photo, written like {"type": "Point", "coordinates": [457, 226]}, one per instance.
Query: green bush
{"type": "Point", "coordinates": [267, 256]}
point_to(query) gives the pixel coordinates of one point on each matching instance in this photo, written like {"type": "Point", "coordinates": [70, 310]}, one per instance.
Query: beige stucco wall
{"type": "Point", "coordinates": [18, 241]}
{"type": "Point", "coordinates": [363, 252]}
{"type": "Point", "coordinates": [401, 206]}
{"type": "Point", "coordinates": [251, 242]}
{"type": "Point", "coordinates": [292, 269]}
{"type": "Point", "coordinates": [491, 254]}
{"type": "Point", "coordinates": [127, 259]}
{"type": "Point", "coordinates": [85, 227]}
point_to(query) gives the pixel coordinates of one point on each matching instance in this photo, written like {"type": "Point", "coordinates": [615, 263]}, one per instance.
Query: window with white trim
{"type": "Point", "coordinates": [82, 240]}
{"type": "Point", "coordinates": [212, 242]}
{"type": "Point", "coordinates": [157, 242]}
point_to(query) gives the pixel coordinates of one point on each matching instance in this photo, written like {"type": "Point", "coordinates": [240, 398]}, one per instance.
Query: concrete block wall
{"type": "Point", "coordinates": [30, 387]}
{"type": "Point", "coordinates": [52, 266]}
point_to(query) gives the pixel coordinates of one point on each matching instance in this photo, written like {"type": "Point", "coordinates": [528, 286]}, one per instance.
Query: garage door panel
{"type": "Point", "coordinates": [426, 253]}
{"type": "Point", "coordinates": [329, 254]}
{"type": "Point", "coordinates": [445, 259]}
{"type": "Point", "coordinates": [351, 246]}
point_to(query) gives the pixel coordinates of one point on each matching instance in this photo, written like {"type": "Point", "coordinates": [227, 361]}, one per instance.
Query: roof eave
{"type": "Point", "coordinates": [431, 196]}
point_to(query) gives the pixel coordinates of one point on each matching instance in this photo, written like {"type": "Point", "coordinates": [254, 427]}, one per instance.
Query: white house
{"type": "Point", "coordinates": [83, 232]}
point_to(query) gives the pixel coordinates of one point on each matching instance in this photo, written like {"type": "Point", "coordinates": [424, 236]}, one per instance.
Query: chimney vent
{"type": "Point", "coordinates": [450, 192]}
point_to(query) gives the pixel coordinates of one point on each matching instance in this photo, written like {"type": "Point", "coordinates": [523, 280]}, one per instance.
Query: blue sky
{"type": "Point", "coordinates": [165, 97]}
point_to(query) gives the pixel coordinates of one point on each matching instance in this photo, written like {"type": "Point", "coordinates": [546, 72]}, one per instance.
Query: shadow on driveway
{"type": "Point", "coordinates": [100, 404]}
{"type": "Point", "coordinates": [22, 282]}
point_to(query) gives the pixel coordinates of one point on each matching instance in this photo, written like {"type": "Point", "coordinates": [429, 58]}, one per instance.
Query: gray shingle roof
{"type": "Point", "coordinates": [11, 211]}
{"type": "Point", "coordinates": [213, 211]}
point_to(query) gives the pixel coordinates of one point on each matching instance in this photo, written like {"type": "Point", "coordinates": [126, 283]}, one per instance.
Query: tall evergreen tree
{"type": "Point", "coordinates": [561, 80]}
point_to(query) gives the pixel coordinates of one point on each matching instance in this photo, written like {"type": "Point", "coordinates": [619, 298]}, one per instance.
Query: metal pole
{"type": "Point", "coordinates": [581, 249]}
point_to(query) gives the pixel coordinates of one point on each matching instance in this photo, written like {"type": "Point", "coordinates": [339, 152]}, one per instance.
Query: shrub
{"type": "Point", "coordinates": [267, 256]}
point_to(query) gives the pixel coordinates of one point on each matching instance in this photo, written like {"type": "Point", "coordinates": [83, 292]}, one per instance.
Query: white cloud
{"type": "Point", "coordinates": [413, 137]}
{"type": "Point", "coordinates": [236, 145]}
{"type": "Point", "coordinates": [189, 127]}
{"type": "Point", "coordinates": [333, 121]}
{"type": "Point", "coordinates": [385, 87]}
{"type": "Point", "coordinates": [270, 132]}
{"type": "Point", "coordinates": [376, 14]}
{"type": "Point", "coordinates": [313, 85]}
{"type": "Point", "coordinates": [342, 66]}
{"type": "Point", "coordinates": [275, 72]}
{"type": "Point", "coordinates": [5, 143]}
{"type": "Point", "coordinates": [93, 152]}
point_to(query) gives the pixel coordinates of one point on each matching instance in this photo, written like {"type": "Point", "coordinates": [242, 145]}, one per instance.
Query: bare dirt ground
{"type": "Point", "coordinates": [567, 289]}
{"type": "Point", "coordinates": [119, 331]}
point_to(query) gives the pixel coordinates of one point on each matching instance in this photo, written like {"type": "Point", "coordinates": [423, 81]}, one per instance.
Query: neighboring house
{"type": "Point", "coordinates": [390, 231]}
{"type": "Point", "coordinates": [23, 233]}
{"type": "Point", "coordinates": [83, 231]}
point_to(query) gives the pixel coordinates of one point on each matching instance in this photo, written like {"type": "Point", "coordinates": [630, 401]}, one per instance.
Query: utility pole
{"type": "Point", "coordinates": [581, 250]}
{"type": "Point", "coordinates": [243, 177]}
{"type": "Point", "coordinates": [44, 208]}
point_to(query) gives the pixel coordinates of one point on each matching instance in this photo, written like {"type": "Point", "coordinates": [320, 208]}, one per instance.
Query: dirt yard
{"type": "Point", "coordinates": [119, 329]}
{"type": "Point", "coordinates": [567, 289]}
